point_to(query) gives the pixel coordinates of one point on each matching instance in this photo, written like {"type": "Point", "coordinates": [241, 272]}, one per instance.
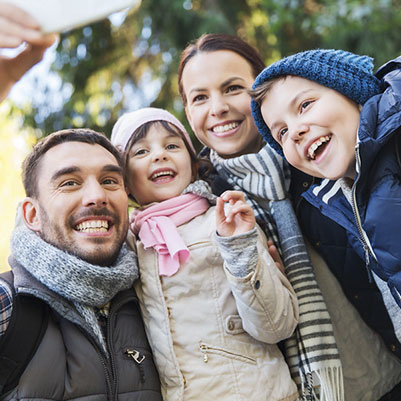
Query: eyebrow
{"type": "Point", "coordinates": [225, 83]}
{"type": "Point", "coordinates": [112, 168]}
{"type": "Point", "coordinates": [168, 136]}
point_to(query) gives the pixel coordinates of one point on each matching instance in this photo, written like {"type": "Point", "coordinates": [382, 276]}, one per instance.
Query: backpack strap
{"type": "Point", "coordinates": [24, 333]}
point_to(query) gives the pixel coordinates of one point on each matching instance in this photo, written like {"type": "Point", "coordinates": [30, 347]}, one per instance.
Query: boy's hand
{"type": "Point", "coordinates": [17, 27]}
{"type": "Point", "coordinates": [238, 218]}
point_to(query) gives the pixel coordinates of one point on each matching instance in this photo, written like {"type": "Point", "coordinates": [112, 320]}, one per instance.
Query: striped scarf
{"type": "Point", "coordinates": [238, 178]}
{"type": "Point", "coordinates": [312, 351]}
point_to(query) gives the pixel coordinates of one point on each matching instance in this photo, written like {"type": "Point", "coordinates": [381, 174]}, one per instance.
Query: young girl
{"type": "Point", "coordinates": [213, 301]}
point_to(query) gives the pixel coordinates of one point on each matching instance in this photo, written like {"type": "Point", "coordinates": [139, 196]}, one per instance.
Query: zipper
{"type": "Point", "coordinates": [138, 358]}
{"type": "Point", "coordinates": [199, 243]}
{"type": "Point", "coordinates": [206, 350]}
{"type": "Point", "coordinates": [132, 353]}
{"type": "Point", "coordinates": [135, 355]}
{"type": "Point", "coordinates": [108, 378]}
{"type": "Point", "coordinates": [103, 361]}
{"type": "Point", "coordinates": [110, 347]}
{"type": "Point", "coordinates": [367, 247]}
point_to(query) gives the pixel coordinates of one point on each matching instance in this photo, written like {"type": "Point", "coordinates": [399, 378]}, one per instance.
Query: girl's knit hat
{"type": "Point", "coordinates": [129, 122]}
{"type": "Point", "coordinates": [345, 72]}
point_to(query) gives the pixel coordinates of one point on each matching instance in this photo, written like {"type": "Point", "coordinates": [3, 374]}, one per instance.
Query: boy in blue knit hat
{"type": "Point", "coordinates": [330, 117]}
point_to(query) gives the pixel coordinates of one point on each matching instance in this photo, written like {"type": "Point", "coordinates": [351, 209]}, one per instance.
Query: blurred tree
{"type": "Point", "coordinates": [366, 27]}
{"type": "Point", "coordinates": [15, 143]}
{"type": "Point", "coordinates": [113, 66]}
{"type": "Point", "coordinates": [130, 61]}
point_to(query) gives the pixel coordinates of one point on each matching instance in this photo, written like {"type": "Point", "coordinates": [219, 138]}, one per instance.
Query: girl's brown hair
{"type": "Point", "coordinates": [199, 166]}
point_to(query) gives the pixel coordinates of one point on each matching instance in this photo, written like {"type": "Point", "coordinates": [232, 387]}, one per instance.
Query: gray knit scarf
{"type": "Point", "coordinates": [86, 285]}
{"type": "Point", "coordinates": [265, 178]}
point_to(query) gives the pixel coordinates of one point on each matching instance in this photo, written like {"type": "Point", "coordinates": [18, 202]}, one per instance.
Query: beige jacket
{"type": "Point", "coordinates": [214, 335]}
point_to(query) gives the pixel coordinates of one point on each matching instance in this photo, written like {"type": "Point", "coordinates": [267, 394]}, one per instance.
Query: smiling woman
{"type": "Point", "coordinates": [218, 104]}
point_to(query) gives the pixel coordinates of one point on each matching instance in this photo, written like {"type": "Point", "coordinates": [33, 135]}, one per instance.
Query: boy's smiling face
{"type": "Point", "coordinates": [316, 126]}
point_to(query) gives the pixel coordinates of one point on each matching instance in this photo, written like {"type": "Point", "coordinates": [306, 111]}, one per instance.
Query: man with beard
{"type": "Point", "coordinates": [69, 255]}
{"type": "Point", "coordinates": [70, 324]}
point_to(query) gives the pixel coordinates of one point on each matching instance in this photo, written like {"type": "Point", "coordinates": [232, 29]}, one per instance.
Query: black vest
{"type": "Point", "coordinates": [70, 365]}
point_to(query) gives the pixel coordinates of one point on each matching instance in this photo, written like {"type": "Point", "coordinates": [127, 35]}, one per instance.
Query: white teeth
{"type": "Point", "coordinates": [91, 226]}
{"type": "Point", "coordinates": [226, 127]}
{"type": "Point", "coordinates": [315, 145]}
{"type": "Point", "coordinates": [160, 173]}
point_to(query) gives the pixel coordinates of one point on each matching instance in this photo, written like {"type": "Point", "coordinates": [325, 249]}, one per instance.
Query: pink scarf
{"type": "Point", "coordinates": [157, 225]}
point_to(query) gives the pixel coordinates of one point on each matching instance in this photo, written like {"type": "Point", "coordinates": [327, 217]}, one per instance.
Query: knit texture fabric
{"type": "Point", "coordinates": [312, 349]}
{"type": "Point", "coordinates": [345, 72]}
{"type": "Point", "coordinates": [129, 122]}
{"type": "Point", "coordinates": [242, 180]}
{"type": "Point", "coordinates": [157, 224]}
{"type": "Point", "coordinates": [86, 285]}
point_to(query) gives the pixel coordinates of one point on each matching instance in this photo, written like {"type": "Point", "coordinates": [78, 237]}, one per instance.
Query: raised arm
{"type": "Point", "coordinates": [18, 27]}
{"type": "Point", "coordinates": [265, 299]}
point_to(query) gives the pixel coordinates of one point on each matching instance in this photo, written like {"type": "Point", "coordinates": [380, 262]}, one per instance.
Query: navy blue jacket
{"type": "Point", "coordinates": [375, 215]}
{"type": "Point", "coordinates": [334, 244]}
{"type": "Point", "coordinates": [372, 224]}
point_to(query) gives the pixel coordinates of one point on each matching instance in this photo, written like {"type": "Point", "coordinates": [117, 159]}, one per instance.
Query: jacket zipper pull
{"type": "Point", "coordinates": [203, 348]}
{"type": "Point", "coordinates": [138, 358]}
{"type": "Point", "coordinates": [135, 355]}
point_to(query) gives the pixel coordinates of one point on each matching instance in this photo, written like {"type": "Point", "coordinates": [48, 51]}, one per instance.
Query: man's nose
{"type": "Point", "coordinates": [94, 194]}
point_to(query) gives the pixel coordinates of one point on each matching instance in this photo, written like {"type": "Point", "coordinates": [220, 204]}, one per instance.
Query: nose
{"type": "Point", "coordinates": [159, 154]}
{"type": "Point", "coordinates": [219, 105]}
{"type": "Point", "coordinates": [94, 194]}
{"type": "Point", "coordinates": [297, 131]}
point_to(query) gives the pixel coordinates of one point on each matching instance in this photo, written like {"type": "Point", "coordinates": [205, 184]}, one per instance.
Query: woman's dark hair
{"type": "Point", "coordinates": [217, 41]}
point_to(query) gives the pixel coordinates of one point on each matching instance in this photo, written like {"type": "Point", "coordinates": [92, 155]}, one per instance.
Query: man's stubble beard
{"type": "Point", "coordinates": [53, 235]}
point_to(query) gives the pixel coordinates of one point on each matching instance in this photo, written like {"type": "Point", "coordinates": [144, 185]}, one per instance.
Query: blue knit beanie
{"type": "Point", "coordinates": [345, 72]}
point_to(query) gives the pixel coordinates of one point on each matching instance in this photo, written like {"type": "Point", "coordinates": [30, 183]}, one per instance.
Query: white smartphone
{"type": "Point", "coordinates": [63, 15]}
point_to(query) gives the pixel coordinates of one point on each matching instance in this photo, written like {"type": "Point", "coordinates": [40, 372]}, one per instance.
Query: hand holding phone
{"type": "Point", "coordinates": [62, 15]}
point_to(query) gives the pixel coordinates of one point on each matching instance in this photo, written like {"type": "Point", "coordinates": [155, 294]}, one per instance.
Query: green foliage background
{"type": "Point", "coordinates": [107, 69]}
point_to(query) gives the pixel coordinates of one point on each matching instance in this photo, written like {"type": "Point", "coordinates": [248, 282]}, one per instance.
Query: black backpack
{"type": "Point", "coordinates": [24, 333]}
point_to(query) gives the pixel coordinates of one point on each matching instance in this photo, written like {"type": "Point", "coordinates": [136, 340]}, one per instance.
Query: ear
{"type": "Point", "coordinates": [30, 214]}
